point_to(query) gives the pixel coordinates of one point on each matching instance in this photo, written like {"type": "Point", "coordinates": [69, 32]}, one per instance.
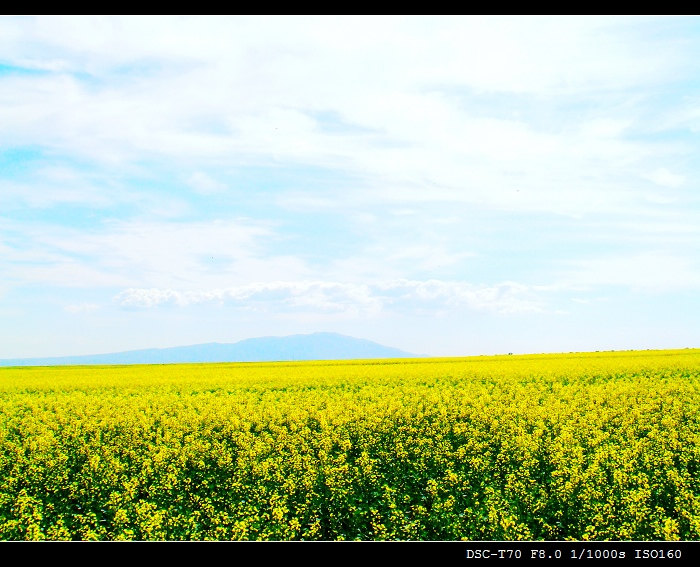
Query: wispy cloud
{"type": "Point", "coordinates": [650, 272]}
{"type": "Point", "coordinates": [666, 178]}
{"type": "Point", "coordinates": [402, 169]}
{"type": "Point", "coordinates": [205, 184]}
{"type": "Point", "coordinates": [82, 308]}
{"type": "Point", "coordinates": [138, 252]}
{"type": "Point", "coordinates": [419, 108]}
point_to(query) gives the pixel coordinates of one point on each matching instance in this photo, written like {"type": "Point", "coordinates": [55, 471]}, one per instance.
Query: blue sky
{"type": "Point", "coordinates": [449, 186]}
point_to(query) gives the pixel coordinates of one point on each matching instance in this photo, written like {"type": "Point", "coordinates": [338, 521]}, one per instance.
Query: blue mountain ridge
{"type": "Point", "coordinates": [315, 346]}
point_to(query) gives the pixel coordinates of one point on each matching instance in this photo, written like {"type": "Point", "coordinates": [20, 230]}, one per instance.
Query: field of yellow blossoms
{"type": "Point", "coordinates": [599, 446]}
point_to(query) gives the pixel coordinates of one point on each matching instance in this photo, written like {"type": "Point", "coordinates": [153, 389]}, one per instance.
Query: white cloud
{"type": "Point", "coordinates": [52, 185]}
{"type": "Point", "coordinates": [503, 298]}
{"type": "Point", "coordinates": [665, 178]}
{"type": "Point", "coordinates": [349, 298]}
{"type": "Point", "coordinates": [435, 152]}
{"type": "Point", "coordinates": [248, 91]}
{"type": "Point", "coordinates": [138, 253]}
{"type": "Point", "coordinates": [534, 54]}
{"type": "Point", "coordinates": [48, 186]}
{"type": "Point", "coordinates": [205, 184]}
{"type": "Point", "coordinates": [590, 300]}
{"type": "Point", "coordinates": [648, 271]}
{"type": "Point", "coordinates": [314, 296]}
{"type": "Point", "coordinates": [81, 308]}
{"type": "Point", "coordinates": [426, 258]}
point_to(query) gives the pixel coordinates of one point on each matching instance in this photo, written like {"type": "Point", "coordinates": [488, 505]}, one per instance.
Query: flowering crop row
{"type": "Point", "coordinates": [578, 446]}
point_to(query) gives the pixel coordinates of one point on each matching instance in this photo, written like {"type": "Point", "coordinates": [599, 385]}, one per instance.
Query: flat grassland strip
{"type": "Point", "coordinates": [565, 446]}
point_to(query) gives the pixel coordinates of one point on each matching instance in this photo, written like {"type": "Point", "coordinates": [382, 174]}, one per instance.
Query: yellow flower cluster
{"type": "Point", "coordinates": [577, 446]}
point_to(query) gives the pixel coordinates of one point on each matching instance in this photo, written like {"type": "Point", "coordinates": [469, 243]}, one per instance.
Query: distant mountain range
{"type": "Point", "coordinates": [316, 346]}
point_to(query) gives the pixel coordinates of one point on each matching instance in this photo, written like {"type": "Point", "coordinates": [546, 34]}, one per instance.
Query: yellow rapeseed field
{"type": "Point", "coordinates": [579, 446]}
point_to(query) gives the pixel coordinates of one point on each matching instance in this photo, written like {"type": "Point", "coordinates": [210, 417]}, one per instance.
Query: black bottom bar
{"type": "Point", "coordinates": [446, 553]}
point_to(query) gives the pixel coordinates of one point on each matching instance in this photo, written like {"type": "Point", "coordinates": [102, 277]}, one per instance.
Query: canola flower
{"type": "Point", "coordinates": [589, 446]}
